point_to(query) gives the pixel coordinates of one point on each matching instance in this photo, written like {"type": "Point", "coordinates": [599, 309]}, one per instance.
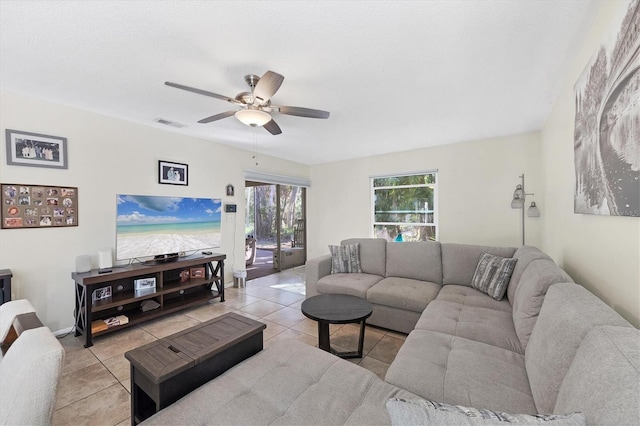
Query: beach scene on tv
{"type": "Point", "coordinates": [155, 225]}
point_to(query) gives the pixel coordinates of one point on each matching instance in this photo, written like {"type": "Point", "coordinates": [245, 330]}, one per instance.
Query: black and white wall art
{"type": "Point", "coordinates": [607, 124]}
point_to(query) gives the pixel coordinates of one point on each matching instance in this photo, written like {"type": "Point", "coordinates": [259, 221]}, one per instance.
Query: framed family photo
{"type": "Point", "coordinates": [173, 173]}
{"type": "Point", "coordinates": [36, 150]}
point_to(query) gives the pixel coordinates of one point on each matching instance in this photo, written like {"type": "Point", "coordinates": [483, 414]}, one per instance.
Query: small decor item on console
{"type": "Point", "coordinates": [184, 276]}
{"type": "Point", "coordinates": [101, 293]}
{"type": "Point", "coordinates": [144, 286]}
{"type": "Point", "coordinates": [149, 305]}
{"type": "Point", "coordinates": [197, 272]}
{"type": "Point", "coordinates": [103, 324]}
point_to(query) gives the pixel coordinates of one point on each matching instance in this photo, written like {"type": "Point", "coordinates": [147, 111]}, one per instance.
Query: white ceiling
{"type": "Point", "coordinates": [395, 75]}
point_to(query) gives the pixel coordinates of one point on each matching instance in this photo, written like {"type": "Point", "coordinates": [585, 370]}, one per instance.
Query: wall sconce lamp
{"type": "Point", "coordinates": [518, 202]}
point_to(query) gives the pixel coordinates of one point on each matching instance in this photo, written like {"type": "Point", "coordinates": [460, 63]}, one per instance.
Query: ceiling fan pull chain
{"type": "Point", "coordinates": [255, 147]}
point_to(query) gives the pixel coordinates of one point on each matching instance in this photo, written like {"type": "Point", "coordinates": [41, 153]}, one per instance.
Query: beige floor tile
{"type": "Point", "coordinates": [76, 359]}
{"type": "Point", "coordinates": [209, 311]}
{"type": "Point", "coordinates": [310, 327]}
{"type": "Point", "coordinates": [83, 383]}
{"type": "Point", "coordinates": [72, 343]}
{"type": "Point", "coordinates": [386, 349]}
{"type": "Point", "coordinates": [286, 298]}
{"type": "Point", "coordinates": [247, 315]}
{"type": "Point", "coordinates": [378, 367]}
{"type": "Point", "coordinates": [165, 326]}
{"type": "Point", "coordinates": [117, 343]}
{"type": "Point", "coordinates": [108, 406]}
{"type": "Point", "coordinates": [126, 422]}
{"type": "Point", "coordinates": [262, 308]}
{"type": "Point", "coordinates": [349, 335]}
{"type": "Point", "coordinates": [272, 329]}
{"type": "Point", "coordinates": [287, 317]}
{"type": "Point", "coordinates": [262, 292]}
{"type": "Point", "coordinates": [239, 300]}
{"type": "Point", "coordinates": [126, 384]}
{"type": "Point", "coordinates": [396, 334]}
{"type": "Point", "coordinates": [119, 366]}
{"type": "Point", "coordinates": [297, 305]}
{"type": "Point", "coordinates": [291, 334]}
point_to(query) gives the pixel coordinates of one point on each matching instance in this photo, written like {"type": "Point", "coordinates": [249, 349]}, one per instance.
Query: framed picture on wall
{"type": "Point", "coordinates": [170, 173]}
{"type": "Point", "coordinates": [36, 150]}
{"type": "Point", "coordinates": [38, 206]}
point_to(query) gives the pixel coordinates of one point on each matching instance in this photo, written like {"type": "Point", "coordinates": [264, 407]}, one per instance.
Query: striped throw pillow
{"type": "Point", "coordinates": [493, 274]}
{"type": "Point", "coordinates": [420, 412]}
{"type": "Point", "coordinates": [345, 259]}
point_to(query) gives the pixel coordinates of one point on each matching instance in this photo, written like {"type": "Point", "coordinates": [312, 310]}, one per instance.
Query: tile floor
{"type": "Point", "coordinates": [95, 384]}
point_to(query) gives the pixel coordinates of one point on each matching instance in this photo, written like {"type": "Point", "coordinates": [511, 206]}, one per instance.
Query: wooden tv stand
{"type": "Point", "coordinates": [169, 293]}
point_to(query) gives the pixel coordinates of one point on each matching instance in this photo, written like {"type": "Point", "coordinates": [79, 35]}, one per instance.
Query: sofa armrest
{"type": "Point", "coordinates": [314, 270]}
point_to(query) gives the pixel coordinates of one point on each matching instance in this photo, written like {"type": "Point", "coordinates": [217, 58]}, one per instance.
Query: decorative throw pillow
{"type": "Point", "coordinates": [421, 412]}
{"type": "Point", "coordinates": [493, 274]}
{"type": "Point", "coordinates": [345, 258]}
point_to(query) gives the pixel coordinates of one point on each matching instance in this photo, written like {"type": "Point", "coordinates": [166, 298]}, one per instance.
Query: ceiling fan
{"type": "Point", "coordinates": [255, 106]}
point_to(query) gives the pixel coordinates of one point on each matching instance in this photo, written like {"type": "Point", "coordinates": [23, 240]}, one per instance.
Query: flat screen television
{"type": "Point", "coordinates": [160, 226]}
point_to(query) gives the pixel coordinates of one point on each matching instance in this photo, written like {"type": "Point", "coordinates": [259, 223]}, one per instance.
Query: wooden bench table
{"type": "Point", "coordinates": [166, 370]}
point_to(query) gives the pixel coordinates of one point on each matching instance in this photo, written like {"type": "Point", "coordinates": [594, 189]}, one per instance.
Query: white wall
{"type": "Point", "coordinates": [600, 252]}
{"type": "Point", "coordinates": [476, 181]}
{"type": "Point", "coordinates": [108, 156]}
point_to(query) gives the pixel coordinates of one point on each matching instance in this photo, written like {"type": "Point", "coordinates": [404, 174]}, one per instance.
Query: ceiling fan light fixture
{"type": "Point", "coordinates": [253, 117]}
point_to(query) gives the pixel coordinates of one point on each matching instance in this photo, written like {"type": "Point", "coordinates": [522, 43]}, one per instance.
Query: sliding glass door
{"type": "Point", "coordinates": [275, 221]}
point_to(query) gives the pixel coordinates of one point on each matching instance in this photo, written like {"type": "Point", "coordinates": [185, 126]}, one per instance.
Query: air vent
{"type": "Point", "coordinates": [169, 123]}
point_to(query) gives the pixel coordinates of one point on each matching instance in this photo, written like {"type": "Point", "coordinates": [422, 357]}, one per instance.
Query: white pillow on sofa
{"type": "Point", "coordinates": [422, 412]}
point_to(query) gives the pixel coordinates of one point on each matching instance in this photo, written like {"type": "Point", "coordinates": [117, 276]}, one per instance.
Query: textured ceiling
{"type": "Point", "coordinates": [395, 75]}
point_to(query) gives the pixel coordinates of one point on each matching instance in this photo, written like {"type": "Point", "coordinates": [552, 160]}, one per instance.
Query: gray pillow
{"type": "Point", "coordinates": [421, 412]}
{"type": "Point", "coordinates": [493, 274]}
{"type": "Point", "coordinates": [345, 258]}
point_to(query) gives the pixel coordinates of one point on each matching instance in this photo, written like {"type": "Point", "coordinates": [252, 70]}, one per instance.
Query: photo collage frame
{"type": "Point", "coordinates": [38, 206]}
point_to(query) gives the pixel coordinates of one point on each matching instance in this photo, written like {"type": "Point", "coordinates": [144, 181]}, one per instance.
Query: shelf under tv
{"type": "Point", "coordinates": [170, 293]}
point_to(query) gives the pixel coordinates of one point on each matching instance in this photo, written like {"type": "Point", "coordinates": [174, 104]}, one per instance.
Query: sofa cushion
{"type": "Point", "coordinates": [525, 255]}
{"type": "Point", "coordinates": [471, 297]}
{"type": "Point", "coordinates": [391, 318]}
{"type": "Point", "coordinates": [353, 284]}
{"type": "Point", "coordinates": [454, 370]}
{"type": "Point", "coordinates": [528, 299]}
{"type": "Point", "coordinates": [404, 293]}
{"type": "Point", "coordinates": [479, 324]}
{"type": "Point", "coordinates": [568, 313]}
{"type": "Point", "coordinates": [345, 258]}
{"type": "Point", "coordinates": [29, 377]}
{"type": "Point", "coordinates": [288, 383]}
{"type": "Point", "coordinates": [423, 412]}
{"type": "Point", "coordinates": [373, 254]}
{"type": "Point", "coordinates": [492, 275]}
{"type": "Point", "coordinates": [459, 261]}
{"type": "Point", "coordinates": [603, 380]}
{"type": "Point", "coordinates": [416, 260]}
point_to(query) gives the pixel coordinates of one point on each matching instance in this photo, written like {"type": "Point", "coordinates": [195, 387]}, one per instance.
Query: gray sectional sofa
{"type": "Point", "coordinates": [549, 347]}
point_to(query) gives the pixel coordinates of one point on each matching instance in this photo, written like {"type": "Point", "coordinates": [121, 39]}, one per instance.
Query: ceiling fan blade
{"type": "Point", "coordinates": [200, 92]}
{"type": "Point", "coordinates": [267, 86]}
{"type": "Point", "coordinates": [301, 112]}
{"type": "Point", "coordinates": [272, 127]}
{"type": "Point", "coordinates": [217, 117]}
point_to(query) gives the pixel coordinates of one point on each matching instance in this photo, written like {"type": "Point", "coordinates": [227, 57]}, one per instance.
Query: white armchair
{"type": "Point", "coordinates": [8, 313]}
{"type": "Point", "coordinates": [29, 373]}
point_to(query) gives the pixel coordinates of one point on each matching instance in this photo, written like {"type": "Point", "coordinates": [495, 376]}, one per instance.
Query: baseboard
{"type": "Point", "coordinates": [63, 331]}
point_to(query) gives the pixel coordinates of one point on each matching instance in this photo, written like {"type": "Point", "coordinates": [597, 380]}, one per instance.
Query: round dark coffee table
{"type": "Point", "coordinates": [337, 309]}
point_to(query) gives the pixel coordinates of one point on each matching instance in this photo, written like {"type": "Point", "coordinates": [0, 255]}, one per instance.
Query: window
{"type": "Point", "coordinates": [404, 207]}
